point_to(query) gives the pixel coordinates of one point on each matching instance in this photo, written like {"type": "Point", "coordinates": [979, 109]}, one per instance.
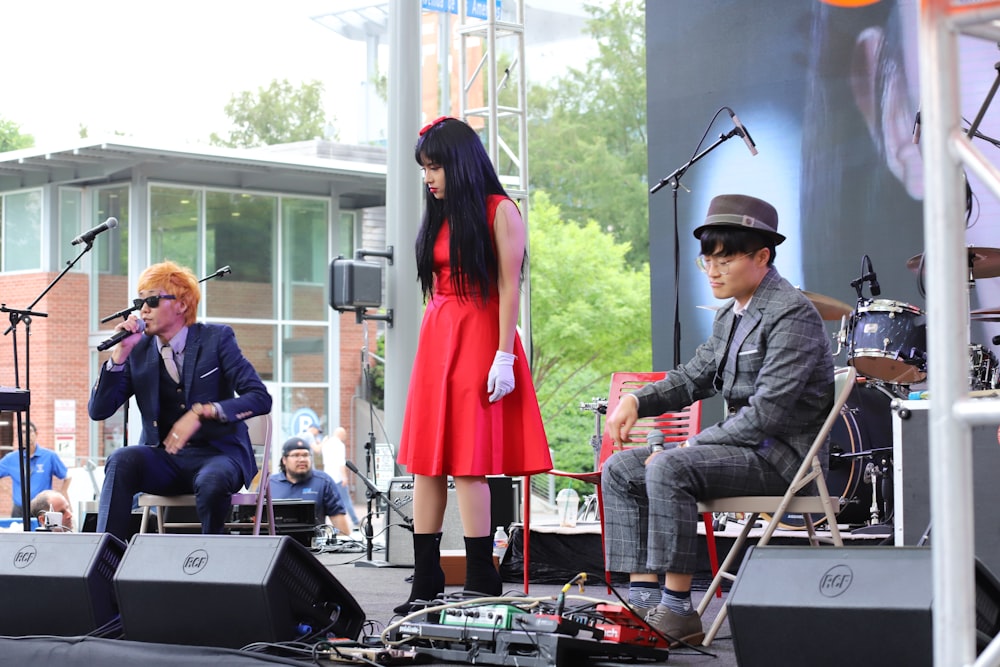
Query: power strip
{"type": "Point", "coordinates": [498, 617]}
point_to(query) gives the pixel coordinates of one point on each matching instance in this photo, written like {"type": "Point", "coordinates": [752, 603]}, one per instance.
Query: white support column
{"type": "Point", "coordinates": [403, 206]}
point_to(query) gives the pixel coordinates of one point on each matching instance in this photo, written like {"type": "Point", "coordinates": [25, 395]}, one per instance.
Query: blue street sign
{"type": "Point", "coordinates": [474, 8]}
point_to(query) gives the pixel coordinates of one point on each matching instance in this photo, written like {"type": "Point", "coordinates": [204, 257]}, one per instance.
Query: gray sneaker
{"type": "Point", "coordinates": [677, 627]}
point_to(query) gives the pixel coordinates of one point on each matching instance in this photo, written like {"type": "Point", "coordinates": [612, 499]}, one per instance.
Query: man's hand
{"type": "Point", "coordinates": [622, 419]}
{"type": "Point", "coordinates": [182, 431]}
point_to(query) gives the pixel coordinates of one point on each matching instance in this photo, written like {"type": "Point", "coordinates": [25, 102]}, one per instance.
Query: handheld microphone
{"type": "Point", "coordinates": [655, 440]}
{"type": "Point", "coordinates": [747, 139]}
{"type": "Point", "coordinates": [120, 336]}
{"type": "Point", "coordinates": [89, 235]}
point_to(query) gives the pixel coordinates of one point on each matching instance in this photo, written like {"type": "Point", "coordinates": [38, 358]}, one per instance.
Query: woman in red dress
{"type": "Point", "coordinates": [471, 409]}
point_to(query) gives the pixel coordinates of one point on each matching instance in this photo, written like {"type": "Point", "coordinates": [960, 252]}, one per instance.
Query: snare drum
{"type": "Point", "coordinates": [982, 368]}
{"type": "Point", "coordinates": [888, 341]}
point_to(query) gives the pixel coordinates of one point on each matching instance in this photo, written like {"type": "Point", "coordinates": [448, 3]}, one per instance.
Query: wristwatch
{"type": "Point", "coordinates": [203, 410]}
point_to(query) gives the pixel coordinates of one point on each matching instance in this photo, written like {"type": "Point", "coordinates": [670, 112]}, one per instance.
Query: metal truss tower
{"type": "Point", "coordinates": [504, 109]}
{"type": "Point", "coordinates": [947, 150]}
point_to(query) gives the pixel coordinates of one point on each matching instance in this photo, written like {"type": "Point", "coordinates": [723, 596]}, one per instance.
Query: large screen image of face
{"type": "Point", "coordinates": [831, 97]}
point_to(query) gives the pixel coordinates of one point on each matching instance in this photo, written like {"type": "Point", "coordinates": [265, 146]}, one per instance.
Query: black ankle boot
{"type": "Point", "coordinates": [428, 577]}
{"type": "Point", "coordinates": [481, 575]}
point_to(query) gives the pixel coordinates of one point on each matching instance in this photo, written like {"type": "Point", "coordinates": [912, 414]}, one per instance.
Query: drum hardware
{"type": "Point", "coordinates": [829, 308]}
{"type": "Point", "coordinates": [983, 263]}
{"type": "Point", "coordinates": [599, 406]}
{"type": "Point", "coordinates": [879, 518]}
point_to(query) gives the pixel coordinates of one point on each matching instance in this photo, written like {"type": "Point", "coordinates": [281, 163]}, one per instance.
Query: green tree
{"type": "Point", "coordinates": [11, 137]}
{"type": "Point", "coordinates": [590, 317]}
{"type": "Point", "coordinates": [278, 114]}
{"type": "Point", "coordinates": [587, 131]}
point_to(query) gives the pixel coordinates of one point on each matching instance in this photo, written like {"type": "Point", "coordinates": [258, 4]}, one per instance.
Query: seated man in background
{"type": "Point", "coordinates": [52, 501]}
{"type": "Point", "coordinates": [299, 481]}
{"type": "Point", "coordinates": [194, 389]}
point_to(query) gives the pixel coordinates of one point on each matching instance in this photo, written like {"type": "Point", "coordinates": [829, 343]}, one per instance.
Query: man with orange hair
{"type": "Point", "coordinates": [194, 389]}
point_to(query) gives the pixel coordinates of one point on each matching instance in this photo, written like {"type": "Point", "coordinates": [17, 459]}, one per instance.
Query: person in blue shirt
{"type": "Point", "coordinates": [45, 464]}
{"type": "Point", "coordinates": [299, 481]}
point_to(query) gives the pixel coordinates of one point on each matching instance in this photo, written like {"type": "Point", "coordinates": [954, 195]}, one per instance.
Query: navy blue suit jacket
{"type": "Point", "coordinates": [214, 371]}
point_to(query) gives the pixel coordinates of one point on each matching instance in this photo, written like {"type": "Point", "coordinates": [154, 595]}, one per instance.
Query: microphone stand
{"type": "Point", "coordinates": [25, 316]}
{"type": "Point", "coordinates": [374, 494]}
{"type": "Point", "coordinates": [674, 181]}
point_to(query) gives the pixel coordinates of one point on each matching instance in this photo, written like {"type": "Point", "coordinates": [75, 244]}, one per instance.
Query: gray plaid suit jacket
{"type": "Point", "coordinates": [778, 383]}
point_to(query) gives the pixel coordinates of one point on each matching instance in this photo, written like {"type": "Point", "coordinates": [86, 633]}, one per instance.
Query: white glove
{"type": "Point", "coordinates": [501, 378]}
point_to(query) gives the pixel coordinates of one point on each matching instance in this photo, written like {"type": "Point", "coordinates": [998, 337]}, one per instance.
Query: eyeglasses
{"type": "Point", "coordinates": [299, 455]}
{"type": "Point", "coordinates": [152, 301]}
{"type": "Point", "coordinates": [706, 263]}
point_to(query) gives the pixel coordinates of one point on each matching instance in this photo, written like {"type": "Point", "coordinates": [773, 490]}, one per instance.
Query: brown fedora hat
{"type": "Point", "coordinates": [742, 211]}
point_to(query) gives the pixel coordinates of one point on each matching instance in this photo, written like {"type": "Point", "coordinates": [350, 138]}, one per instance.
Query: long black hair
{"type": "Point", "coordinates": [469, 179]}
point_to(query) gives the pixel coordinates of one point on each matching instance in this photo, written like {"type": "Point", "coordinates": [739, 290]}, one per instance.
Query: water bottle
{"type": "Point", "coordinates": [500, 541]}
{"type": "Point", "coordinates": [567, 505]}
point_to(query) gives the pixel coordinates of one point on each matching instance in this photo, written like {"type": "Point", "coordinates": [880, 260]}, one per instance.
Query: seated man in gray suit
{"type": "Point", "coordinates": [769, 357]}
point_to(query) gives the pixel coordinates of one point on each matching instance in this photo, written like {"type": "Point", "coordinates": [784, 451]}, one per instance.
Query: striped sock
{"type": "Point", "coordinates": [642, 594]}
{"type": "Point", "coordinates": [676, 601]}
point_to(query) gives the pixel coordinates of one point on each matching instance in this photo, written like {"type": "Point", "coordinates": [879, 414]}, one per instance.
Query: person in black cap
{"type": "Point", "coordinates": [300, 481]}
{"type": "Point", "coordinates": [769, 357]}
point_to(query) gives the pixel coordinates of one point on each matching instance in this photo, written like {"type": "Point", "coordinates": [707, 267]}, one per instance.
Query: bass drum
{"type": "Point", "coordinates": [865, 424]}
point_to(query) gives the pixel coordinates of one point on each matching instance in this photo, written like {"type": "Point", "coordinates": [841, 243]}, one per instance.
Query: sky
{"type": "Point", "coordinates": [164, 71]}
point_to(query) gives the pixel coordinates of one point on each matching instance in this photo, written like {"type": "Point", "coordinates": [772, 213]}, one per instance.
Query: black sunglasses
{"type": "Point", "coordinates": [152, 301]}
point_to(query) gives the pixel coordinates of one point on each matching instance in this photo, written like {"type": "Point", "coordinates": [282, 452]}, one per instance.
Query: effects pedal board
{"type": "Point", "coordinates": [536, 640]}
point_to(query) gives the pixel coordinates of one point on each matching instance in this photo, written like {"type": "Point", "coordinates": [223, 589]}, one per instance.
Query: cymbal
{"type": "Point", "coordinates": [828, 307]}
{"type": "Point", "coordinates": [985, 262]}
{"type": "Point", "coordinates": [986, 318]}
{"type": "Point", "coordinates": [986, 311]}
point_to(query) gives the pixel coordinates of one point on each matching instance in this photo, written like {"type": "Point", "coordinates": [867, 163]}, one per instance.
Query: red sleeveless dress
{"type": "Point", "coordinates": [450, 426]}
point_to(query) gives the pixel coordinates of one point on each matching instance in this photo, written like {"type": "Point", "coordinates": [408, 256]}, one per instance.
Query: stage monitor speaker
{"type": "Point", "coordinates": [836, 606]}
{"type": "Point", "coordinates": [505, 509]}
{"type": "Point", "coordinates": [229, 591]}
{"type": "Point", "coordinates": [57, 583]}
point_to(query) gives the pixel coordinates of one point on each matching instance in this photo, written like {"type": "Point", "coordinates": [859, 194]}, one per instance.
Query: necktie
{"type": "Point", "coordinates": [717, 381]}
{"type": "Point", "coordinates": [168, 361]}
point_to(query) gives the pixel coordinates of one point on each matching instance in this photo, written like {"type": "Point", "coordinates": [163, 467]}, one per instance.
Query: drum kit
{"type": "Point", "coordinates": [885, 341]}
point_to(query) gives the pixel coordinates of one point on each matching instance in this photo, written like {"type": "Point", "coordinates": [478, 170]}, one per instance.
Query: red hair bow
{"type": "Point", "coordinates": [436, 121]}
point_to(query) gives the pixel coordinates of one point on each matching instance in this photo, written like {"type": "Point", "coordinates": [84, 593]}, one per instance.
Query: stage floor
{"type": "Point", "coordinates": [377, 590]}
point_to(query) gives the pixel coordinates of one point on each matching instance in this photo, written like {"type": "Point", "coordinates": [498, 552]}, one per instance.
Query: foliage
{"type": "Point", "coordinates": [587, 131]}
{"type": "Point", "coordinates": [11, 137]}
{"type": "Point", "coordinates": [278, 114]}
{"type": "Point", "coordinates": [590, 317]}
{"type": "Point", "coordinates": [376, 376]}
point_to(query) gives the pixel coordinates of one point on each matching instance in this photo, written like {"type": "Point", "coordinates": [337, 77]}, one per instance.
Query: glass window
{"type": "Point", "coordinates": [22, 231]}
{"type": "Point", "coordinates": [345, 236]}
{"type": "Point", "coordinates": [173, 232]}
{"type": "Point", "coordinates": [109, 257]}
{"type": "Point", "coordinates": [304, 235]}
{"type": "Point", "coordinates": [70, 217]}
{"type": "Point", "coordinates": [257, 342]}
{"type": "Point", "coordinates": [240, 233]}
{"type": "Point", "coordinates": [295, 398]}
{"type": "Point", "coordinates": [304, 353]}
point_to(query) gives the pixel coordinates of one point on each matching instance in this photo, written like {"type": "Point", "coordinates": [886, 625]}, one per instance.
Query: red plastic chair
{"type": "Point", "coordinates": [676, 427]}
